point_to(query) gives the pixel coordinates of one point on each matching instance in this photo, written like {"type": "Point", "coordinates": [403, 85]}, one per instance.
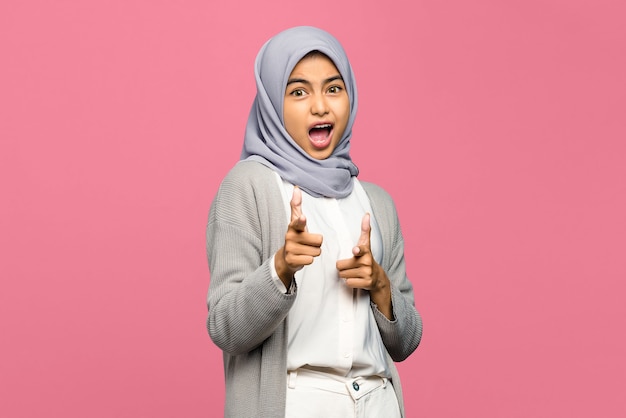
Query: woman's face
{"type": "Point", "coordinates": [316, 107]}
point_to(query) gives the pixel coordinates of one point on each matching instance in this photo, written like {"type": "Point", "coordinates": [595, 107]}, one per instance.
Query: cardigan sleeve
{"type": "Point", "coordinates": [245, 306]}
{"type": "Point", "coordinates": [402, 335]}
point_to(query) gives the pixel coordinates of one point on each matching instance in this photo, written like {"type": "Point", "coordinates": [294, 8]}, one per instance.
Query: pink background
{"type": "Point", "coordinates": [498, 127]}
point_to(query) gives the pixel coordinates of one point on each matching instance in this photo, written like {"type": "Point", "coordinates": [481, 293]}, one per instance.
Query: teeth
{"type": "Point", "coordinates": [325, 126]}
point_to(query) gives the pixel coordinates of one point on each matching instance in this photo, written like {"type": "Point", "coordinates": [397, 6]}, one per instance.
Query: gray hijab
{"type": "Point", "coordinates": [266, 139]}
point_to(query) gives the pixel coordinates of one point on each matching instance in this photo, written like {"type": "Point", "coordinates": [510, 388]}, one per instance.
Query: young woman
{"type": "Point", "coordinates": [308, 298]}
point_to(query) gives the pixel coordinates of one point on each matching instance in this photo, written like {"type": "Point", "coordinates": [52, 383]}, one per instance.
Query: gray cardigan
{"type": "Point", "coordinates": [247, 312]}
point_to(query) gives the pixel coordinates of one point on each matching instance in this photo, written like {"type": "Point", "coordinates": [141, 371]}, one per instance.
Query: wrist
{"type": "Point", "coordinates": [282, 270]}
{"type": "Point", "coordinates": [381, 294]}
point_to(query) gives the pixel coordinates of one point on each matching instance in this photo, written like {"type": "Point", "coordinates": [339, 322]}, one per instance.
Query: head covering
{"type": "Point", "coordinates": [266, 139]}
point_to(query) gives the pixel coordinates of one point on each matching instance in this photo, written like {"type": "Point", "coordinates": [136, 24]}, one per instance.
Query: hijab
{"type": "Point", "coordinates": [266, 139]}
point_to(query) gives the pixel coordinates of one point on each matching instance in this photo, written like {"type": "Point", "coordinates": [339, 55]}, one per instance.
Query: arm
{"type": "Point", "coordinates": [361, 271]}
{"type": "Point", "coordinates": [246, 225]}
{"type": "Point", "coordinates": [401, 335]}
{"type": "Point", "coordinates": [301, 247]}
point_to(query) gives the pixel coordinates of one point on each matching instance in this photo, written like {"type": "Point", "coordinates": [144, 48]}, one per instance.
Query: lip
{"type": "Point", "coordinates": [322, 144]}
{"type": "Point", "coordinates": [313, 125]}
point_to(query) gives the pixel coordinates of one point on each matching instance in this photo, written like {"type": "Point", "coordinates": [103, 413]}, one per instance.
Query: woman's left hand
{"type": "Point", "coordinates": [363, 272]}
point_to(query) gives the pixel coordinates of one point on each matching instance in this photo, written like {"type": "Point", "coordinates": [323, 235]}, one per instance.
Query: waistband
{"type": "Point", "coordinates": [356, 387]}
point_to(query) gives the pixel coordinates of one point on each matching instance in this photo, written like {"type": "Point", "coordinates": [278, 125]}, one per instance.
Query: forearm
{"type": "Point", "coordinates": [242, 315]}
{"type": "Point", "coordinates": [402, 335]}
{"type": "Point", "coordinates": [402, 331]}
{"type": "Point", "coordinates": [285, 274]}
{"type": "Point", "coordinates": [245, 305]}
{"type": "Point", "coordinates": [380, 296]}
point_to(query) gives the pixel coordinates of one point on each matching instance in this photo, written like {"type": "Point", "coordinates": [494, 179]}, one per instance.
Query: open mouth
{"type": "Point", "coordinates": [320, 135]}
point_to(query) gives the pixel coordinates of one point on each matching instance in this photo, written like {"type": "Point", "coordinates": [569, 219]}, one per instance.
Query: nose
{"type": "Point", "coordinates": [319, 105]}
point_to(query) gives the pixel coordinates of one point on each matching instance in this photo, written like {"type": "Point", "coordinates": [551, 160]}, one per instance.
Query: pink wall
{"type": "Point", "coordinates": [499, 128]}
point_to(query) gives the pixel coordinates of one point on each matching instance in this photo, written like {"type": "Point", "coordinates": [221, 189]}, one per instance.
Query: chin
{"type": "Point", "coordinates": [320, 154]}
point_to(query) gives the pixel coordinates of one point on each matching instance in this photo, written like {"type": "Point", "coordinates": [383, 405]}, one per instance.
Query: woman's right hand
{"type": "Point", "coordinates": [301, 247]}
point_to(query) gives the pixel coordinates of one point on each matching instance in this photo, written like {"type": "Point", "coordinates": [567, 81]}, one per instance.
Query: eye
{"type": "Point", "coordinates": [298, 93]}
{"type": "Point", "coordinates": [334, 89]}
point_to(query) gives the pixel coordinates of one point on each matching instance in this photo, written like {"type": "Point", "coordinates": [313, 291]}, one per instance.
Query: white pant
{"type": "Point", "coordinates": [314, 394]}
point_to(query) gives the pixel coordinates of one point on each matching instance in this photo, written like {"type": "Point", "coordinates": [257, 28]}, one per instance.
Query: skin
{"type": "Point", "coordinates": [315, 94]}
{"type": "Point", "coordinates": [318, 95]}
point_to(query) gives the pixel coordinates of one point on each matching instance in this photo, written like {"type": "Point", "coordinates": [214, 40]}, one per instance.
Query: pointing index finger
{"type": "Point", "coordinates": [363, 245]}
{"type": "Point", "coordinates": [298, 220]}
{"type": "Point", "coordinates": [366, 229]}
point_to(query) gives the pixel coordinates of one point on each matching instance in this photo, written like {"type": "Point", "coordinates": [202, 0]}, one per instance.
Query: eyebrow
{"type": "Point", "coordinates": [303, 81]}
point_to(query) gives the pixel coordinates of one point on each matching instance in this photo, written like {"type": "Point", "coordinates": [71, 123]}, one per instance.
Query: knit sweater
{"type": "Point", "coordinates": [247, 312]}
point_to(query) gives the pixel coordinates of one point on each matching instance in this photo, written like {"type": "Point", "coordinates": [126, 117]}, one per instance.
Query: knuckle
{"type": "Point", "coordinates": [290, 247]}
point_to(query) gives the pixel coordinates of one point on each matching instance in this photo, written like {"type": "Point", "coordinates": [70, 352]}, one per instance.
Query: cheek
{"type": "Point", "coordinates": [288, 120]}
{"type": "Point", "coordinates": [293, 112]}
{"type": "Point", "coordinates": [294, 126]}
{"type": "Point", "coordinates": [289, 128]}
{"type": "Point", "coordinates": [345, 112]}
